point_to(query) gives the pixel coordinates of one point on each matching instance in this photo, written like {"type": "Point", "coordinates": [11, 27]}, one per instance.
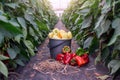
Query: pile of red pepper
{"type": "Point", "coordinates": [79, 58]}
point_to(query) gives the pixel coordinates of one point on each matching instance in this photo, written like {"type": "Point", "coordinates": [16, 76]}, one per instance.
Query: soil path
{"type": "Point", "coordinates": [42, 67]}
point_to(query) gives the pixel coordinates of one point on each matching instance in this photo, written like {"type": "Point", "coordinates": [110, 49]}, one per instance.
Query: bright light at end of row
{"type": "Point", "coordinates": [59, 6]}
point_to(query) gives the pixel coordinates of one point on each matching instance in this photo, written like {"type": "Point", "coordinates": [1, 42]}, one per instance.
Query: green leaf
{"type": "Point", "coordinates": [16, 48]}
{"type": "Point", "coordinates": [3, 69]}
{"type": "Point", "coordinates": [25, 33]}
{"type": "Point", "coordinates": [12, 53]}
{"type": "Point", "coordinates": [117, 44]}
{"type": "Point", "coordinates": [18, 61]}
{"type": "Point", "coordinates": [12, 5]}
{"type": "Point", "coordinates": [30, 18]}
{"type": "Point", "coordinates": [74, 28]}
{"type": "Point", "coordinates": [21, 22]}
{"type": "Point", "coordinates": [1, 37]}
{"type": "Point", "coordinates": [115, 68]}
{"type": "Point", "coordinates": [86, 22]}
{"type": "Point", "coordinates": [14, 22]}
{"type": "Point", "coordinates": [9, 27]}
{"type": "Point", "coordinates": [32, 32]}
{"type": "Point", "coordinates": [95, 8]}
{"type": "Point", "coordinates": [74, 17]}
{"type": "Point", "coordinates": [30, 46]}
{"type": "Point", "coordinates": [78, 21]}
{"type": "Point", "coordinates": [86, 4]}
{"type": "Point", "coordinates": [87, 42]}
{"type": "Point", "coordinates": [80, 51]}
{"type": "Point", "coordinates": [18, 38]}
{"type": "Point", "coordinates": [5, 33]}
{"type": "Point", "coordinates": [99, 21]}
{"type": "Point", "coordinates": [115, 35]}
{"type": "Point", "coordinates": [103, 27]}
{"type": "Point", "coordinates": [105, 53]}
{"type": "Point", "coordinates": [94, 45]}
{"type": "Point", "coordinates": [1, 8]}
{"type": "Point", "coordinates": [84, 11]}
{"type": "Point", "coordinates": [106, 8]}
{"type": "Point", "coordinates": [3, 18]}
{"type": "Point", "coordinates": [116, 23]}
{"type": "Point", "coordinates": [42, 26]}
{"type": "Point", "coordinates": [98, 59]}
{"type": "Point", "coordinates": [114, 65]}
{"type": "Point", "coordinates": [78, 36]}
{"type": "Point", "coordinates": [2, 57]}
{"type": "Point", "coordinates": [114, 38]}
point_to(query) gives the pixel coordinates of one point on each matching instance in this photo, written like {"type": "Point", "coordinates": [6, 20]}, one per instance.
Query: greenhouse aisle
{"type": "Point", "coordinates": [42, 67]}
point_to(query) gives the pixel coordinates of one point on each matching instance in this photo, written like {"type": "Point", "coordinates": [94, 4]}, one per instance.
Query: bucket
{"type": "Point", "coordinates": [56, 46]}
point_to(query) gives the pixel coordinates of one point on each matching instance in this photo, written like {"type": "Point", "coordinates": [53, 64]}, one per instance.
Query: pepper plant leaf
{"type": "Point", "coordinates": [3, 69]}
{"type": "Point", "coordinates": [42, 26]}
{"type": "Point", "coordinates": [12, 5]}
{"type": "Point", "coordinates": [12, 53]}
{"type": "Point", "coordinates": [114, 65]}
{"type": "Point", "coordinates": [2, 57]}
{"type": "Point", "coordinates": [22, 22]}
{"type": "Point", "coordinates": [9, 27]}
{"type": "Point", "coordinates": [86, 22]}
{"type": "Point", "coordinates": [1, 37]}
{"type": "Point", "coordinates": [103, 27]}
{"type": "Point", "coordinates": [30, 46]}
{"type": "Point", "coordinates": [116, 25]}
{"type": "Point", "coordinates": [88, 42]}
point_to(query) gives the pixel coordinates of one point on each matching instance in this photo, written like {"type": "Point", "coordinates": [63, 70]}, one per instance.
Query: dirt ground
{"type": "Point", "coordinates": [42, 67]}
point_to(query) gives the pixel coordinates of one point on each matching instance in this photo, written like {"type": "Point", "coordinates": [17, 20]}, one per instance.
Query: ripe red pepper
{"type": "Point", "coordinates": [73, 55]}
{"type": "Point", "coordinates": [80, 60]}
{"type": "Point", "coordinates": [60, 57]}
{"type": "Point", "coordinates": [73, 61]}
{"type": "Point", "coordinates": [67, 58]}
{"type": "Point", "coordinates": [85, 57]}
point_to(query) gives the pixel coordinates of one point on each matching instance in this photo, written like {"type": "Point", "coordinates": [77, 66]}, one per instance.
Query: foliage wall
{"type": "Point", "coordinates": [95, 24]}
{"type": "Point", "coordinates": [24, 25]}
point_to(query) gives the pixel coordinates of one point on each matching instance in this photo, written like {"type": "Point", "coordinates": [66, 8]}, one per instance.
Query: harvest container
{"type": "Point", "coordinates": [56, 45]}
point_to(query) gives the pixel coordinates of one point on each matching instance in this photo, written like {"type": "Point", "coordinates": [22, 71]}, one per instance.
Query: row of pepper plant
{"type": "Point", "coordinates": [95, 24]}
{"type": "Point", "coordinates": [24, 24]}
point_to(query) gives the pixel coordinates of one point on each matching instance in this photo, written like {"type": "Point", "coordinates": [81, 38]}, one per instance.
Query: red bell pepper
{"type": "Point", "coordinates": [73, 55]}
{"type": "Point", "coordinates": [85, 57]}
{"type": "Point", "coordinates": [73, 62]}
{"type": "Point", "coordinates": [80, 60]}
{"type": "Point", "coordinates": [60, 57]}
{"type": "Point", "coordinates": [67, 58]}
